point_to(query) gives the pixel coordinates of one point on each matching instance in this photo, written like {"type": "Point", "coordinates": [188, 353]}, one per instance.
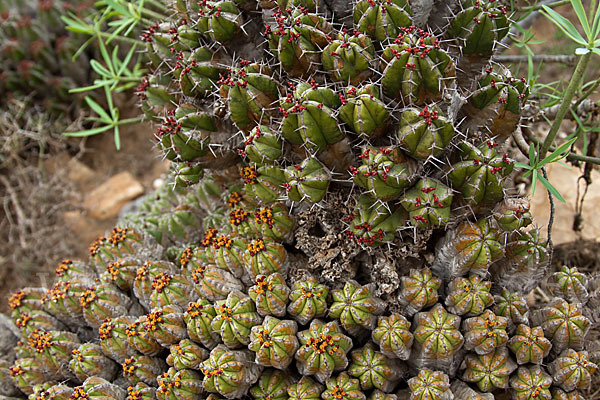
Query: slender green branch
{"type": "Point", "coordinates": [538, 7]}
{"type": "Point", "coordinates": [587, 93]}
{"type": "Point", "coordinates": [122, 39]}
{"type": "Point", "coordinates": [574, 157]}
{"type": "Point", "coordinates": [566, 102]}
{"type": "Point", "coordinates": [128, 121]}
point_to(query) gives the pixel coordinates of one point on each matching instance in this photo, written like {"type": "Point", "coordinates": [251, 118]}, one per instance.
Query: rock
{"type": "Point", "coordinates": [106, 200]}
{"type": "Point", "coordinates": [74, 170]}
{"type": "Point", "coordinates": [564, 179]}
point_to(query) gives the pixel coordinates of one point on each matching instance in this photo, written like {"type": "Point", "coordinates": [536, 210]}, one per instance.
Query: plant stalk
{"type": "Point", "coordinates": [566, 103]}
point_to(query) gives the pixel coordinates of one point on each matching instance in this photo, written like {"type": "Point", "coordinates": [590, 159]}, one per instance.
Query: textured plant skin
{"type": "Point", "coordinates": [270, 294]}
{"type": "Point", "coordinates": [349, 58]}
{"type": "Point", "coordinates": [485, 333]}
{"type": "Point", "coordinates": [438, 333]}
{"type": "Point", "coordinates": [529, 345]}
{"type": "Point", "coordinates": [428, 203]}
{"type": "Point", "coordinates": [198, 318]}
{"type": "Point", "coordinates": [513, 306]}
{"type": "Point", "coordinates": [416, 69]}
{"type": "Point", "coordinates": [264, 257]}
{"type": "Point", "coordinates": [229, 373]}
{"type": "Point", "coordinates": [531, 383]}
{"type": "Point", "coordinates": [572, 370]}
{"type": "Point", "coordinates": [384, 172]}
{"type": "Point", "coordinates": [307, 181]}
{"type": "Point", "coordinates": [305, 388]}
{"type": "Point", "coordinates": [274, 342]}
{"type": "Point", "coordinates": [88, 360]}
{"type": "Point", "coordinates": [469, 296]}
{"type": "Point", "coordinates": [481, 24]}
{"type": "Point", "coordinates": [430, 384]}
{"type": "Point", "coordinates": [373, 369]}
{"type": "Point", "coordinates": [271, 385]}
{"type": "Point", "coordinates": [143, 369]}
{"type": "Point", "coordinates": [564, 325]}
{"type": "Point", "coordinates": [572, 284]}
{"type": "Point", "coordinates": [235, 316]}
{"type": "Point", "coordinates": [186, 355]}
{"type": "Point", "coordinates": [480, 173]}
{"type": "Point", "coordinates": [178, 384]}
{"type": "Point", "coordinates": [354, 306]}
{"type": "Point", "coordinates": [141, 391]}
{"type": "Point", "coordinates": [470, 248]}
{"type": "Point", "coordinates": [364, 112]}
{"type": "Point", "coordinates": [262, 145]}
{"type": "Point", "coordinates": [308, 300]}
{"type": "Point", "coordinates": [343, 387]}
{"type": "Point", "coordinates": [419, 289]}
{"type": "Point", "coordinates": [323, 349]}
{"type": "Point", "coordinates": [393, 336]}
{"type": "Point", "coordinates": [490, 370]}
{"type": "Point", "coordinates": [424, 132]}
{"type": "Point", "coordinates": [25, 374]}
{"type": "Point", "coordinates": [381, 19]}
{"type": "Point", "coordinates": [373, 223]}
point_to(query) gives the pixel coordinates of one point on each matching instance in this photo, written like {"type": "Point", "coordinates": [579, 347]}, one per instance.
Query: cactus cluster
{"type": "Point", "coordinates": [337, 223]}
{"type": "Point", "coordinates": [36, 53]}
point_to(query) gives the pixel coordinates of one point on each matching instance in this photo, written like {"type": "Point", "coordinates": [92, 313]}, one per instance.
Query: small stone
{"type": "Point", "coordinates": [106, 200]}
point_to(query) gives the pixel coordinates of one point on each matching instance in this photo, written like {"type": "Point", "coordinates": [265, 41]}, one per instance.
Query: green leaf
{"type": "Point", "coordinates": [596, 51]}
{"type": "Point", "coordinates": [127, 60]}
{"type": "Point", "coordinates": [580, 51]}
{"type": "Point", "coordinates": [565, 25]}
{"type": "Point", "coordinates": [118, 8]}
{"type": "Point", "coordinates": [581, 15]}
{"type": "Point", "coordinates": [551, 189]}
{"type": "Point", "coordinates": [534, 181]}
{"type": "Point", "coordinates": [98, 109]}
{"type": "Point", "coordinates": [100, 69]}
{"type": "Point", "coordinates": [522, 165]}
{"type": "Point", "coordinates": [561, 152]}
{"type": "Point", "coordinates": [531, 155]}
{"type": "Point", "coordinates": [117, 138]}
{"type": "Point", "coordinates": [98, 85]}
{"type": "Point", "coordinates": [88, 132]}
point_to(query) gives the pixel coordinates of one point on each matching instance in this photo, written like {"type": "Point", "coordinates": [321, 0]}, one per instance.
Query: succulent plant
{"type": "Point", "coordinates": [229, 373]}
{"type": "Point", "coordinates": [273, 384]}
{"type": "Point", "coordinates": [490, 370]}
{"type": "Point", "coordinates": [186, 355]}
{"type": "Point", "coordinates": [354, 306]}
{"type": "Point", "coordinates": [529, 344]}
{"type": "Point", "coordinates": [428, 203]}
{"type": "Point", "coordinates": [393, 336]}
{"type": "Point", "coordinates": [341, 182]}
{"type": "Point", "coordinates": [305, 388]}
{"type": "Point", "coordinates": [572, 370]}
{"type": "Point", "coordinates": [274, 342]}
{"type": "Point", "coordinates": [364, 112]}
{"type": "Point", "coordinates": [417, 69]}
{"type": "Point", "coordinates": [437, 332]}
{"type": "Point", "coordinates": [469, 296]}
{"type": "Point", "coordinates": [384, 172]}
{"type": "Point", "coordinates": [564, 325]}
{"type": "Point", "coordinates": [419, 289]}
{"type": "Point", "coordinates": [323, 349]}
{"type": "Point", "coordinates": [178, 384]}
{"type": "Point", "coordinates": [485, 333]}
{"type": "Point", "coordinates": [531, 383]}
{"type": "Point", "coordinates": [308, 300]}
{"type": "Point", "coordinates": [424, 132]}
{"type": "Point", "coordinates": [430, 384]}
{"type": "Point", "coordinates": [571, 284]}
{"type": "Point", "coordinates": [270, 294]}
{"type": "Point", "coordinates": [373, 369]}
{"type": "Point", "coordinates": [88, 360]}
{"type": "Point", "coordinates": [307, 181]}
{"type": "Point", "coordinates": [235, 317]}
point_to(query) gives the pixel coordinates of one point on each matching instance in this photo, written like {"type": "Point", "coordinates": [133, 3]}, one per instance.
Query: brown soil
{"type": "Point", "coordinates": [42, 220]}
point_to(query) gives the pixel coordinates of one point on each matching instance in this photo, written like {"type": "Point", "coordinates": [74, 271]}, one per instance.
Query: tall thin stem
{"type": "Point", "coordinates": [566, 103]}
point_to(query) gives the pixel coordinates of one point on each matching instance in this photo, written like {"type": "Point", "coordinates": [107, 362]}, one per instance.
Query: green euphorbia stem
{"type": "Point", "coordinates": [566, 103]}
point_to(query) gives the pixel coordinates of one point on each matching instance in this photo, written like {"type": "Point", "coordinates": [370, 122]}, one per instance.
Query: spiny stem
{"type": "Point", "coordinates": [566, 103]}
